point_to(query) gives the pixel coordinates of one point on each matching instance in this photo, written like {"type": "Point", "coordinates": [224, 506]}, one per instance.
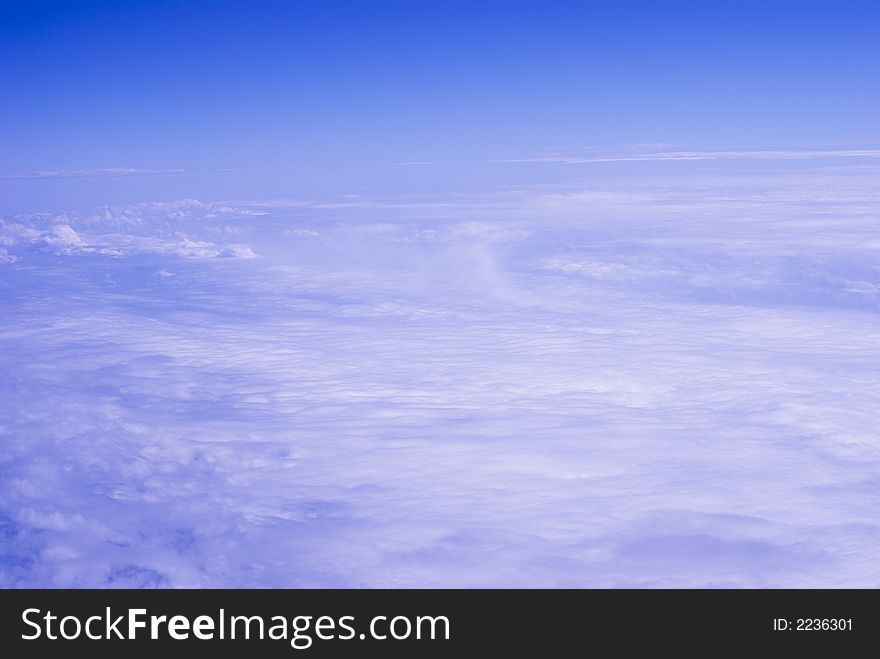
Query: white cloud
{"type": "Point", "coordinates": [653, 382]}
{"type": "Point", "coordinates": [238, 252]}
{"type": "Point", "coordinates": [302, 233]}
{"type": "Point", "coordinates": [62, 239]}
{"type": "Point", "coordinates": [187, 228]}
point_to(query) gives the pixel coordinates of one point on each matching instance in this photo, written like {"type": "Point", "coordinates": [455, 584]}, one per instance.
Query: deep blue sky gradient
{"type": "Point", "coordinates": [341, 91]}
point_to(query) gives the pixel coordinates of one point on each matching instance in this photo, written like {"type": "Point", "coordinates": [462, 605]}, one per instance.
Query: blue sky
{"type": "Point", "coordinates": [320, 96]}
{"type": "Point", "coordinates": [439, 294]}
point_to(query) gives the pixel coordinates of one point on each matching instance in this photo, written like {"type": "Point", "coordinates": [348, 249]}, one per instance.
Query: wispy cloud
{"type": "Point", "coordinates": [89, 173]}
{"type": "Point", "coordinates": [700, 155]}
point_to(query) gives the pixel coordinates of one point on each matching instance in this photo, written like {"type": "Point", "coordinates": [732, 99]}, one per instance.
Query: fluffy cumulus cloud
{"type": "Point", "coordinates": [188, 228]}
{"type": "Point", "coordinates": [664, 381]}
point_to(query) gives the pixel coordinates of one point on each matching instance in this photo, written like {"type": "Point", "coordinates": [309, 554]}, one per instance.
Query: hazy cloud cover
{"type": "Point", "coordinates": [668, 378]}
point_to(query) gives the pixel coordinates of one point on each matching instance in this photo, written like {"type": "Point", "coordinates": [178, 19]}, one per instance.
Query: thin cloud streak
{"type": "Point", "coordinates": [701, 155]}
{"type": "Point", "coordinates": [91, 173]}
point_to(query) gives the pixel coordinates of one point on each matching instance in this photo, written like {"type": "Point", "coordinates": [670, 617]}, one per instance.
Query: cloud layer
{"type": "Point", "coordinates": [668, 380]}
